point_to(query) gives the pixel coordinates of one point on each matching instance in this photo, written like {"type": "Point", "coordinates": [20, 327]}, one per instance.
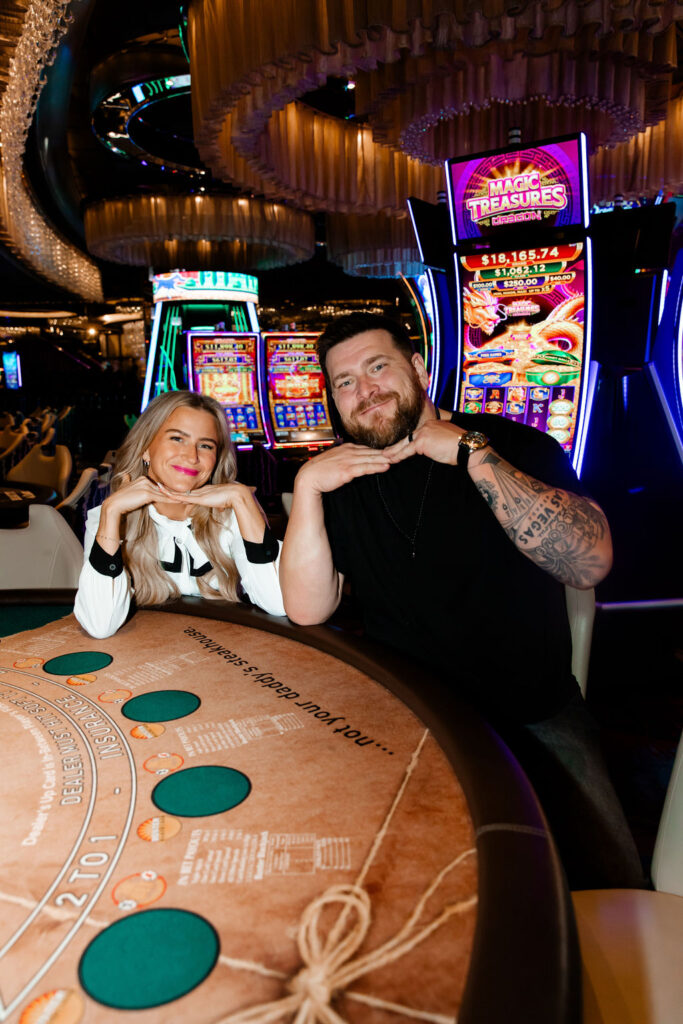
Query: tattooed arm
{"type": "Point", "coordinates": [565, 534]}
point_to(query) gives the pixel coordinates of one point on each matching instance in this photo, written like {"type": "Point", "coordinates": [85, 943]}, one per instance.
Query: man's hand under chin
{"type": "Point", "coordinates": [437, 439]}
{"type": "Point", "coordinates": [338, 466]}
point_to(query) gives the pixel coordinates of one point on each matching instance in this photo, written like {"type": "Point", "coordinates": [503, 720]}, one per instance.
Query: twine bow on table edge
{"type": "Point", "coordinates": [329, 961]}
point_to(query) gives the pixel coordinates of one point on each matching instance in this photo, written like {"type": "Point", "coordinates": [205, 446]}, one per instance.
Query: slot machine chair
{"type": "Point", "coordinates": [74, 507]}
{"type": "Point", "coordinates": [47, 421]}
{"type": "Point", "coordinates": [80, 490]}
{"type": "Point", "coordinates": [7, 436]}
{"type": "Point", "coordinates": [12, 447]}
{"type": "Point", "coordinates": [38, 468]}
{"type": "Point", "coordinates": [581, 614]}
{"type": "Point", "coordinates": [44, 555]}
{"type": "Point", "coordinates": [630, 939]}
{"type": "Point", "coordinates": [287, 498]}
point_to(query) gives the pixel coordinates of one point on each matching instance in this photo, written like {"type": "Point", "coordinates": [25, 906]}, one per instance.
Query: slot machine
{"type": "Point", "coordinates": [666, 365]}
{"type": "Point", "coordinates": [431, 226]}
{"type": "Point", "coordinates": [11, 365]}
{"type": "Point", "coordinates": [422, 293]}
{"type": "Point", "coordinates": [523, 286]}
{"type": "Point", "coordinates": [225, 366]}
{"type": "Point", "coordinates": [205, 337]}
{"type": "Point", "coordinates": [297, 396]}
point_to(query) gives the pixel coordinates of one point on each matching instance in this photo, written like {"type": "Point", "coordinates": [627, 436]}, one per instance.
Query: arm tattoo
{"type": "Point", "coordinates": [556, 529]}
{"type": "Point", "coordinates": [488, 493]}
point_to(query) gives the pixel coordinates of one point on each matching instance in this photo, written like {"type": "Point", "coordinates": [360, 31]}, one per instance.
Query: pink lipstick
{"type": "Point", "coordinates": [187, 472]}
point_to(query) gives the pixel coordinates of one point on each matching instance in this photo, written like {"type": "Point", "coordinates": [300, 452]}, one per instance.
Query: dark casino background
{"type": "Point", "coordinates": [188, 197]}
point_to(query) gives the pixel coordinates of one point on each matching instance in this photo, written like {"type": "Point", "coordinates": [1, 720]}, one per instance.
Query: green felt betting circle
{"type": "Point", "coordinates": [206, 789]}
{"type": "Point", "coordinates": [149, 959]}
{"type": "Point", "coordinates": [77, 663]}
{"type": "Point", "coordinates": [161, 706]}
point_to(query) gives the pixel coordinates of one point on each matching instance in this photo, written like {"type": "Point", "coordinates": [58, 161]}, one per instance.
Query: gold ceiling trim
{"type": "Point", "coordinates": [31, 44]}
{"type": "Point", "coordinates": [201, 231]}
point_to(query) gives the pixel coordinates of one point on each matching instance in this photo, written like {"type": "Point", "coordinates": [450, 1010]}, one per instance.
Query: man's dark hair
{"type": "Point", "coordinates": [345, 327]}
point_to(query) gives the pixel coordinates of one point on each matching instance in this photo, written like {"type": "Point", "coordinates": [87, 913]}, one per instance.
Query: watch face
{"type": "Point", "coordinates": [474, 440]}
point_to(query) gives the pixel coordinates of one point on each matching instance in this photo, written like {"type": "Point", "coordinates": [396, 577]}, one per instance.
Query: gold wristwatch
{"type": "Point", "coordinates": [471, 441]}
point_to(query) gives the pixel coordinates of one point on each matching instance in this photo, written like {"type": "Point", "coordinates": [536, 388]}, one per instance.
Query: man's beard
{"type": "Point", "coordinates": [385, 432]}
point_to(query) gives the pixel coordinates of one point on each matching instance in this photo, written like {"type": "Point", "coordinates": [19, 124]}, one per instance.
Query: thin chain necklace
{"type": "Point", "coordinates": [410, 538]}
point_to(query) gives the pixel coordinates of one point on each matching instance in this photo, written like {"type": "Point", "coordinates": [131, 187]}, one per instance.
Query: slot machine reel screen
{"type": "Point", "coordinates": [523, 336]}
{"type": "Point", "coordinates": [296, 390]}
{"type": "Point", "coordinates": [224, 366]}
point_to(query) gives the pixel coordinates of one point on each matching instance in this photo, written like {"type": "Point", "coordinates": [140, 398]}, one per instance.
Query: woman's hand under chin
{"type": "Point", "coordinates": [131, 495]}
{"type": "Point", "coordinates": [211, 495]}
{"type": "Point", "coordinates": [238, 497]}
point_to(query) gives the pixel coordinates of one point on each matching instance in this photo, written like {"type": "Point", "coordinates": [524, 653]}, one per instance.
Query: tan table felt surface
{"type": "Point", "coordinates": [325, 749]}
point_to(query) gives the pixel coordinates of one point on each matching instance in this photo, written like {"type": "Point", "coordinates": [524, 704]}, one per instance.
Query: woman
{"type": "Point", "coordinates": [176, 521]}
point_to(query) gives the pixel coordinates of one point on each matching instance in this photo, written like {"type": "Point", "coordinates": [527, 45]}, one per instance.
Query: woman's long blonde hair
{"type": "Point", "coordinates": [140, 547]}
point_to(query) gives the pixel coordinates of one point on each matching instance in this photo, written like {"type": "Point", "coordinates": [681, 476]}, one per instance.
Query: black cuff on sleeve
{"type": "Point", "coordinates": [266, 551]}
{"type": "Point", "coordinates": [104, 563]}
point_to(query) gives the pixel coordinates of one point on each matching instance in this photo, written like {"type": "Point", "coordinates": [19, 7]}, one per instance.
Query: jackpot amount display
{"type": "Point", "coordinates": [523, 336]}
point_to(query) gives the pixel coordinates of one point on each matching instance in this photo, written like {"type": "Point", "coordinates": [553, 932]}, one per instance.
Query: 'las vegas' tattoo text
{"type": "Point", "coordinates": [561, 532]}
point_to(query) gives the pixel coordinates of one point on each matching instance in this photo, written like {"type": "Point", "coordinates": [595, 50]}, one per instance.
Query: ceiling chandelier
{"type": "Point", "coordinates": [204, 231]}
{"type": "Point", "coordinates": [432, 80]}
{"type": "Point", "coordinates": [22, 224]}
{"type": "Point", "coordinates": [373, 245]}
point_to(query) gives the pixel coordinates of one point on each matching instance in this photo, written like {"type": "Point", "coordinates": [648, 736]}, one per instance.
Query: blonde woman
{"type": "Point", "coordinates": [176, 521]}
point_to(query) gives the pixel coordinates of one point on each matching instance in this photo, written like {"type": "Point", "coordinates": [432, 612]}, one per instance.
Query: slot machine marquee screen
{"type": "Point", "coordinates": [523, 337]}
{"type": "Point", "coordinates": [297, 395]}
{"type": "Point", "coordinates": [224, 366]}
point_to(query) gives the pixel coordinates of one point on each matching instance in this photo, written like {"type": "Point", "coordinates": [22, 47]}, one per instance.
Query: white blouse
{"type": "Point", "coordinates": [103, 601]}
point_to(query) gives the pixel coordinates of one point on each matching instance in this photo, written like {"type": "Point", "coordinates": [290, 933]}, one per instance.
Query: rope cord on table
{"type": "Point", "coordinates": [329, 964]}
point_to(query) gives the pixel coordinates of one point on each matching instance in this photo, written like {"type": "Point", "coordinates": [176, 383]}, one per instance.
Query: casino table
{"type": "Point", "coordinates": [216, 816]}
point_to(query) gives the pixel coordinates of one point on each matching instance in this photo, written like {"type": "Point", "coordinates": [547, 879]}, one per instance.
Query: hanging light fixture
{"type": "Point", "coordinates": [22, 224]}
{"type": "Point", "coordinates": [202, 231]}
{"type": "Point", "coordinates": [374, 245]}
{"type": "Point", "coordinates": [430, 77]}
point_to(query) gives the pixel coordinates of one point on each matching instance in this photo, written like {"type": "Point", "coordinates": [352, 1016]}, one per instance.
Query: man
{"type": "Point", "coordinates": [458, 532]}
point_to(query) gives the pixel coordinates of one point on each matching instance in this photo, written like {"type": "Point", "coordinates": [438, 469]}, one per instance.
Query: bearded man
{"type": "Point", "coordinates": [457, 533]}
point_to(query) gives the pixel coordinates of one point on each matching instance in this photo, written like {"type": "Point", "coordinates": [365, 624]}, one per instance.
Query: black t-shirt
{"type": "Point", "coordinates": [468, 604]}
